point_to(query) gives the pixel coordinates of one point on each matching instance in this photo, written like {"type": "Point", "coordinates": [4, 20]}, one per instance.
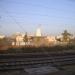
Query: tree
{"type": "Point", "coordinates": [25, 38]}
{"type": "Point", "coordinates": [66, 36]}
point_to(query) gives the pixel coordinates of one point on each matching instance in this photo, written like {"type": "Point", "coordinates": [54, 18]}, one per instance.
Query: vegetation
{"type": "Point", "coordinates": [4, 41]}
{"type": "Point", "coordinates": [25, 38]}
{"type": "Point", "coordinates": [70, 46]}
{"type": "Point", "coordinates": [66, 36]}
{"type": "Point", "coordinates": [40, 49]}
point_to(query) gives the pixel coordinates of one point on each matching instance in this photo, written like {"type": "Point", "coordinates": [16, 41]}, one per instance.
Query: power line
{"type": "Point", "coordinates": [38, 14]}
{"type": "Point", "coordinates": [17, 23]}
{"type": "Point", "coordinates": [40, 5]}
{"type": "Point", "coordinates": [43, 6]}
{"type": "Point", "coordinates": [48, 16]}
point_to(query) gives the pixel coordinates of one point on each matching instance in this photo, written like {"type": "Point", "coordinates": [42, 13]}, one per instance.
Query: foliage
{"type": "Point", "coordinates": [25, 38]}
{"type": "Point", "coordinates": [66, 36]}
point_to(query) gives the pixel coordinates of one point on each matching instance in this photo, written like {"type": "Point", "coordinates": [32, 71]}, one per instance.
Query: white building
{"type": "Point", "coordinates": [18, 39]}
{"type": "Point", "coordinates": [51, 40]}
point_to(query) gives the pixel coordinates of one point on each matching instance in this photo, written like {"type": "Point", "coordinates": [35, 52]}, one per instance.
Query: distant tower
{"type": "Point", "coordinates": [38, 32]}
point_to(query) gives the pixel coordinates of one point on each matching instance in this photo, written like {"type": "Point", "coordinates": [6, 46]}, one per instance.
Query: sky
{"type": "Point", "coordinates": [52, 16]}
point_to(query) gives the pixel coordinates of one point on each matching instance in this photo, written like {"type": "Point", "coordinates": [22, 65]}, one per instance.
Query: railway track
{"type": "Point", "coordinates": [25, 60]}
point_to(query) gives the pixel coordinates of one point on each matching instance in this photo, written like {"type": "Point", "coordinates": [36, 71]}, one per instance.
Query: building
{"type": "Point", "coordinates": [51, 40]}
{"type": "Point", "coordinates": [35, 40]}
{"type": "Point", "coordinates": [18, 39]}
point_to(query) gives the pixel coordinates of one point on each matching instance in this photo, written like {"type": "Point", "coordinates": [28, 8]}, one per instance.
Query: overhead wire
{"type": "Point", "coordinates": [43, 6]}
{"type": "Point", "coordinates": [17, 23]}
{"type": "Point", "coordinates": [38, 14]}
{"type": "Point", "coordinates": [39, 5]}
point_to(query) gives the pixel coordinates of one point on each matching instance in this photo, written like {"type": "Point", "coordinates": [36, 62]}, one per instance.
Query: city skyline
{"type": "Point", "coordinates": [25, 16]}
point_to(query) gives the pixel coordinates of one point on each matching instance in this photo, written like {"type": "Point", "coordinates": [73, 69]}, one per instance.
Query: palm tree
{"type": "Point", "coordinates": [66, 36]}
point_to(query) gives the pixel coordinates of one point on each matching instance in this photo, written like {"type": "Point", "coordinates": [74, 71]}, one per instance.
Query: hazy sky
{"type": "Point", "coordinates": [54, 16]}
